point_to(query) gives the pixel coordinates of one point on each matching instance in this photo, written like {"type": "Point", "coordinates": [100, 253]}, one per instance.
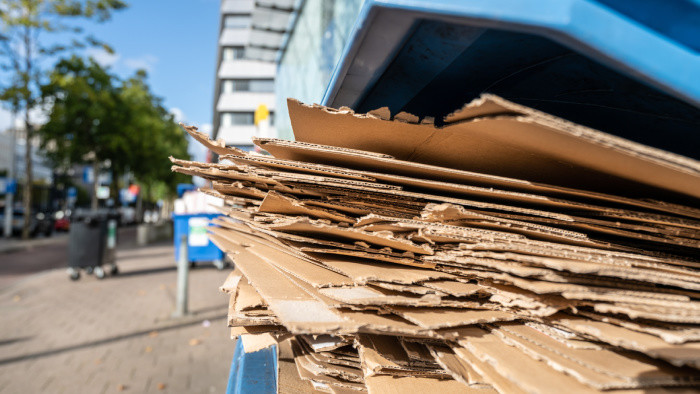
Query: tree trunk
{"type": "Point", "coordinates": [95, 183]}
{"type": "Point", "coordinates": [114, 190]}
{"type": "Point", "coordinates": [28, 177]}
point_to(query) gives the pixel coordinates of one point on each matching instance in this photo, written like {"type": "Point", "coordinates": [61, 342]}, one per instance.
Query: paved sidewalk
{"type": "Point", "coordinates": [115, 335]}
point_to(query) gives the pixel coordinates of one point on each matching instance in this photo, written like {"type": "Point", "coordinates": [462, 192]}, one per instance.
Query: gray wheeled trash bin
{"type": "Point", "coordinates": [92, 244]}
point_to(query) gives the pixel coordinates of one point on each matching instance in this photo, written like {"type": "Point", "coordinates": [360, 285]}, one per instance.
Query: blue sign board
{"type": "Point", "coordinates": [88, 176]}
{"type": "Point", "coordinates": [8, 185]}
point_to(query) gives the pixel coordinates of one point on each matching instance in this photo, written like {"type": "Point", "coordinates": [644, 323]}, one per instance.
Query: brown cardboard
{"type": "Point", "coordinates": [318, 366]}
{"type": "Point", "coordinates": [414, 289]}
{"type": "Point", "coordinates": [364, 271]}
{"type": "Point", "coordinates": [366, 295]}
{"type": "Point", "coordinates": [241, 330]}
{"type": "Point", "coordinates": [277, 203]}
{"type": "Point", "coordinates": [591, 291]}
{"type": "Point", "coordinates": [247, 298]}
{"type": "Point", "coordinates": [473, 178]}
{"type": "Point", "coordinates": [530, 145]}
{"type": "Point", "coordinates": [304, 270]}
{"type": "Point", "coordinates": [315, 227]}
{"type": "Point", "coordinates": [674, 334]}
{"type": "Point", "coordinates": [418, 352]}
{"type": "Point", "coordinates": [320, 343]}
{"type": "Point", "coordinates": [260, 316]}
{"type": "Point", "coordinates": [601, 211]}
{"type": "Point", "coordinates": [382, 355]}
{"type": "Point", "coordinates": [432, 318]}
{"type": "Point", "coordinates": [384, 384]}
{"type": "Point", "coordinates": [489, 373]}
{"type": "Point", "coordinates": [678, 355]}
{"type": "Point", "coordinates": [219, 147]}
{"type": "Point", "coordinates": [369, 256]}
{"type": "Point", "coordinates": [309, 371]}
{"type": "Point", "coordinates": [514, 263]}
{"type": "Point", "coordinates": [416, 174]}
{"type": "Point", "coordinates": [299, 312]}
{"type": "Point", "coordinates": [457, 289]}
{"type": "Point", "coordinates": [508, 362]}
{"type": "Point", "coordinates": [280, 164]}
{"type": "Point", "coordinates": [239, 189]}
{"type": "Point", "coordinates": [459, 368]}
{"type": "Point", "coordinates": [602, 369]}
{"type": "Point", "coordinates": [256, 342]}
{"type": "Point", "coordinates": [230, 285]}
{"type": "Point", "coordinates": [348, 358]}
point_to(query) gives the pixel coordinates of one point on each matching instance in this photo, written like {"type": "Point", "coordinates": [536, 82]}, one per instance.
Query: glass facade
{"type": "Point", "coordinates": [314, 47]}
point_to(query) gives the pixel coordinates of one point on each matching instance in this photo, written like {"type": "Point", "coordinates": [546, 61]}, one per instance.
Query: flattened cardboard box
{"type": "Point", "coordinates": [495, 136]}
{"type": "Point", "coordinates": [387, 246]}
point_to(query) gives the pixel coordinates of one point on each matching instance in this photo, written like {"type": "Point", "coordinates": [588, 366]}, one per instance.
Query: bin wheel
{"type": "Point", "coordinates": [73, 274]}
{"type": "Point", "coordinates": [193, 264]}
{"type": "Point", "coordinates": [99, 272]}
{"type": "Point", "coordinates": [114, 270]}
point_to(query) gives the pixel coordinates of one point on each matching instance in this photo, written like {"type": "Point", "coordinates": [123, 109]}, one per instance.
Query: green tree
{"type": "Point", "coordinates": [24, 50]}
{"type": "Point", "coordinates": [84, 124]}
{"type": "Point", "coordinates": [155, 136]}
{"type": "Point", "coordinates": [96, 117]}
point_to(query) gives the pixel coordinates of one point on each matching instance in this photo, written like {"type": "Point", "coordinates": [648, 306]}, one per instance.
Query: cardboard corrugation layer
{"type": "Point", "coordinates": [508, 251]}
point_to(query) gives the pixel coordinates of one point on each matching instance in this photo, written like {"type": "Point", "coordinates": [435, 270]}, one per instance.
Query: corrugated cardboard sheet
{"type": "Point", "coordinates": [508, 251]}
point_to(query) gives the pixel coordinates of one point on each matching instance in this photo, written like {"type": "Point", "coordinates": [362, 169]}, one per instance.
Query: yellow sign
{"type": "Point", "coordinates": [261, 114]}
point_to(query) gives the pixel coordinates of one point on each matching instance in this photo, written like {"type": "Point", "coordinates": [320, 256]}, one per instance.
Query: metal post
{"type": "Point", "coordinates": [183, 274]}
{"type": "Point", "coordinates": [9, 197]}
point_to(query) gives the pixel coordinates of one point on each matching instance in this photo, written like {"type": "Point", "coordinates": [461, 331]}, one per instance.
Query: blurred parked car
{"type": "Point", "coordinates": [62, 220]}
{"type": "Point", "coordinates": [151, 216]}
{"type": "Point", "coordinates": [128, 215]}
{"type": "Point", "coordinates": [40, 223]}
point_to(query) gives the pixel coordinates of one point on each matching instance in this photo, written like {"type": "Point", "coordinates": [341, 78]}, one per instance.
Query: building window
{"type": "Point", "coordinates": [237, 21]}
{"type": "Point", "coordinates": [248, 85]}
{"type": "Point", "coordinates": [233, 53]}
{"type": "Point", "coordinates": [229, 119]}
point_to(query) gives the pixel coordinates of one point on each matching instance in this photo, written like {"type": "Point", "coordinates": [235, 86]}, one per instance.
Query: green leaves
{"type": "Point", "coordinates": [22, 22]}
{"type": "Point", "coordinates": [97, 115]}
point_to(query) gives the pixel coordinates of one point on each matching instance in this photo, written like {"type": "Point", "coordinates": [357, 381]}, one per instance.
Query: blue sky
{"type": "Point", "coordinates": [175, 42]}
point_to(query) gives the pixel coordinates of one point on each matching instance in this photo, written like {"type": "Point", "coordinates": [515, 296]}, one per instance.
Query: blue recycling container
{"type": "Point", "coordinates": [254, 372]}
{"type": "Point", "coordinates": [200, 248]}
{"type": "Point", "coordinates": [628, 68]}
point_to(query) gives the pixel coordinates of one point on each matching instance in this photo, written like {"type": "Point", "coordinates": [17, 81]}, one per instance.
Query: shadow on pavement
{"type": "Point", "coordinates": [157, 270]}
{"type": "Point", "coordinates": [146, 255]}
{"type": "Point", "coordinates": [104, 341]}
{"type": "Point", "coordinates": [147, 271]}
{"type": "Point", "coordinates": [15, 340]}
{"type": "Point", "coordinates": [209, 309]}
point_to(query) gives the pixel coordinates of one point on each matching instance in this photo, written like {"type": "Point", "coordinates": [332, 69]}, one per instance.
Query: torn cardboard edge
{"type": "Point", "coordinates": [571, 151]}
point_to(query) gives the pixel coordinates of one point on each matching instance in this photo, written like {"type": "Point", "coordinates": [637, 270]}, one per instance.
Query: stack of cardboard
{"type": "Point", "coordinates": [506, 250]}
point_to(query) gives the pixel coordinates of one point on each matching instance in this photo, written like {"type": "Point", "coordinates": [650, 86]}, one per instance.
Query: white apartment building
{"type": "Point", "coordinates": [242, 85]}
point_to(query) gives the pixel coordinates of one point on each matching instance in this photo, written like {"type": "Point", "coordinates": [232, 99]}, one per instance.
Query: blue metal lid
{"type": "Point", "coordinates": [629, 68]}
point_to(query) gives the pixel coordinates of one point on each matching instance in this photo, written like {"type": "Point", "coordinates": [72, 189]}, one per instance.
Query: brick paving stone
{"type": "Point", "coordinates": [116, 335]}
{"type": "Point", "coordinates": [91, 336]}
